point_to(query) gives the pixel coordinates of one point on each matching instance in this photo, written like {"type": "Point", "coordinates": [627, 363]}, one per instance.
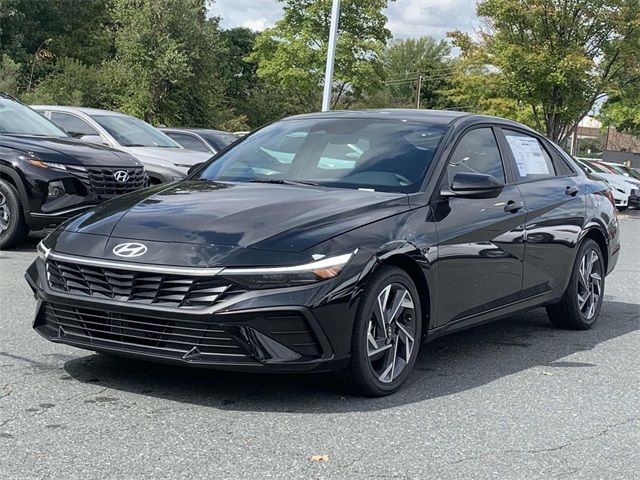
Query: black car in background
{"type": "Point", "coordinates": [47, 177]}
{"type": "Point", "coordinates": [334, 241]}
{"type": "Point", "coordinates": [201, 139]}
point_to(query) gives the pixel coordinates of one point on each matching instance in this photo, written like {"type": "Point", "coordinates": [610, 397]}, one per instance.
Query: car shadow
{"type": "Point", "coordinates": [29, 244]}
{"type": "Point", "coordinates": [446, 366]}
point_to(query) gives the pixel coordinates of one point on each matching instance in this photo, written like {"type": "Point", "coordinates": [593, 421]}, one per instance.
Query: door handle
{"type": "Point", "coordinates": [513, 207]}
{"type": "Point", "coordinates": [573, 191]}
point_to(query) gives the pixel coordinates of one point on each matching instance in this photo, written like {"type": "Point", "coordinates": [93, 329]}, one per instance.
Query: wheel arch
{"type": "Point", "coordinates": [14, 179]}
{"type": "Point", "coordinates": [596, 234]}
{"type": "Point", "coordinates": [411, 266]}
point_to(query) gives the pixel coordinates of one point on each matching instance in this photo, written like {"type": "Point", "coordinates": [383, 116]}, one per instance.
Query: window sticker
{"type": "Point", "coordinates": [528, 155]}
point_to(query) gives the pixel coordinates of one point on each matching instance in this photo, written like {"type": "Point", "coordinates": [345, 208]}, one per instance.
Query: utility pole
{"type": "Point", "coordinates": [419, 91]}
{"type": "Point", "coordinates": [331, 56]}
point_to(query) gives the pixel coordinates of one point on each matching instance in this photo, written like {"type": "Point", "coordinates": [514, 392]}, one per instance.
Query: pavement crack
{"type": "Point", "coordinates": [569, 443]}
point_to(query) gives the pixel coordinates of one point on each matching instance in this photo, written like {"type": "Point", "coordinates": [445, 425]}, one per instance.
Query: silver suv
{"type": "Point", "coordinates": [163, 158]}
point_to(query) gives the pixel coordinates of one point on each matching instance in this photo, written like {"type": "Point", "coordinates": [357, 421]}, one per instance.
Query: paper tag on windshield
{"type": "Point", "coordinates": [528, 155]}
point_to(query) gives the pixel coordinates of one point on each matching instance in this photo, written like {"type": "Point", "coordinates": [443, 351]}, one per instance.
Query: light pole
{"type": "Point", "coordinates": [419, 91]}
{"type": "Point", "coordinates": [331, 56]}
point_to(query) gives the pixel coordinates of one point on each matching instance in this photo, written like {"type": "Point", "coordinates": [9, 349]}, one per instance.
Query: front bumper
{"type": "Point", "coordinates": [288, 329]}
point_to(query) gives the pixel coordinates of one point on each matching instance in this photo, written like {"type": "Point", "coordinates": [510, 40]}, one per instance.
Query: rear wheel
{"type": "Point", "coordinates": [581, 303]}
{"type": "Point", "coordinates": [13, 228]}
{"type": "Point", "coordinates": [386, 335]}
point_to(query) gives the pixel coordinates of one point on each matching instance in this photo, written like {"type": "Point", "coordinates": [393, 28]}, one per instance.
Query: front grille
{"type": "Point", "coordinates": [175, 338]}
{"type": "Point", "coordinates": [146, 288]}
{"type": "Point", "coordinates": [101, 181]}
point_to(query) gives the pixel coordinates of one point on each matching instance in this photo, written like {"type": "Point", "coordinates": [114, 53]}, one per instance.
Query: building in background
{"type": "Point", "coordinates": [593, 140]}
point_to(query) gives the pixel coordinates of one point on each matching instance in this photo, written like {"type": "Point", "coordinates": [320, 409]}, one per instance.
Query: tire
{"type": "Point", "coordinates": [13, 228]}
{"type": "Point", "coordinates": [581, 303]}
{"type": "Point", "coordinates": [380, 365]}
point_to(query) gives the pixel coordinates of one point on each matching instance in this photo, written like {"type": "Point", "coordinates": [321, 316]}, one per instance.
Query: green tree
{"type": "Point", "coordinates": [559, 57]}
{"type": "Point", "coordinates": [292, 54]}
{"type": "Point", "coordinates": [166, 61]}
{"type": "Point", "coordinates": [35, 33]}
{"type": "Point", "coordinates": [405, 60]}
{"type": "Point", "coordinates": [9, 74]}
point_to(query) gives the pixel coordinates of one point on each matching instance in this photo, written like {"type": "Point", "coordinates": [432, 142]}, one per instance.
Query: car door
{"type": "Point", "coordinates": [480, 240]}
{"type": "Point", "coordinates": [555, 211]}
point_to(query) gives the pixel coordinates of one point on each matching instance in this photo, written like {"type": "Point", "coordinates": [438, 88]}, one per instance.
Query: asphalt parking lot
{"type": "Point", "coordinates": [513, 399]}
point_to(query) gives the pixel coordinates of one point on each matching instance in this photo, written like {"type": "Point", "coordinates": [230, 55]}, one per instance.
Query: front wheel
{"type": "Point", "coordinates": [581, 303]}
{"type": "Point", "coordinates": [13, 228]}
{"type": "Point", "coordinates": [386, 334]}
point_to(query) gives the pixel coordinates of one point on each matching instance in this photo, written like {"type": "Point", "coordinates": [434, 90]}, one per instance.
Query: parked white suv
{"type": "Point", "coordinates": [164, 159]}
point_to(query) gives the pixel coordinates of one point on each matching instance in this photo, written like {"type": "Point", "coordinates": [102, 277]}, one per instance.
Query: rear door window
{"type": "Point", "coordinates": [533, 162]}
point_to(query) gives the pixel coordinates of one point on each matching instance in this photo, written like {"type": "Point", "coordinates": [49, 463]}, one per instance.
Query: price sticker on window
{"type": "Point", "coordinates": [528, 155]}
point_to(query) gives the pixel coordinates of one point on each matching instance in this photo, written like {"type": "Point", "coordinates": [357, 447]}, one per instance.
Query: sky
{"type": "Point", "coordinates": [407, 18]}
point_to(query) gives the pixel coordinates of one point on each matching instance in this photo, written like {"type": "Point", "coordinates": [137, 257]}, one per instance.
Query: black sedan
{"type": "Point", "coordinates": [201, 139]}
{"type": "Point", "coordinates": [334, 242]}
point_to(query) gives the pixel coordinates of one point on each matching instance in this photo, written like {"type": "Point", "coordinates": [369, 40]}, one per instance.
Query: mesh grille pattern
{"type": "Point", "coordinates": [178, 338]}
{"type": "Point", "coordinates": [101, 181]}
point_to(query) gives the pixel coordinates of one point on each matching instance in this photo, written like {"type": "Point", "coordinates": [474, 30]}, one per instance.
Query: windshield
{"type": "Point", "coordinates": [598, 167]}
{"type": "Point", "coordinates": [132, 132]}
{"type": "Point", "coordinates": [383, 155]}
{"type": "Point", "coordinates": [18, 119]}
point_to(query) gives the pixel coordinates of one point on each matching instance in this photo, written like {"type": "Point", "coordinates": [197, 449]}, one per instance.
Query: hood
{"type": "Point", "coordinates": [67, 151]}
{"type": "Point", "coordinates": [174, 156]}
{"type": "Point", "coordinates": [265, 217]}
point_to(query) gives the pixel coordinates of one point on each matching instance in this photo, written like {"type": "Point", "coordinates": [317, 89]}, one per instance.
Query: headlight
{"type": "Point", "coordinates": [43, 251]}
{"type": "Point", "coordinates": [40, 164]}
{"type": "Point", "coordinates": [273, 277]}
{"type": "Point", "coordinates": [182, 165]}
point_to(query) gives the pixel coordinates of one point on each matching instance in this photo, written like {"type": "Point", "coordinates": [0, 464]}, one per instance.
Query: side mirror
{"type": "Point", "coordinates": [93, 139]}
{"type": "Point", "coordinates": [472, 185]}
{"type": "Point", "coordinates": [193, 168]}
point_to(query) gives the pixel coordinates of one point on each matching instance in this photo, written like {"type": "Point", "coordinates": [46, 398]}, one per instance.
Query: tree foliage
{"type": "Point", "coordinates": [292, 54]}
{"type": "Point", "coordinates": [405, 60]}
{"type": "Point", "coordinates": [557, 57]}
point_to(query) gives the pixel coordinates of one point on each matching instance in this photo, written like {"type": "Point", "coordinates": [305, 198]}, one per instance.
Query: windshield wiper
{"type": "Point", "coordinates": [280, 181]}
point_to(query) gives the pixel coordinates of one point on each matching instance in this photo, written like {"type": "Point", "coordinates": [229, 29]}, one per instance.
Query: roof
{"type": "Point", "coordinates": [443, 117]}
{"type": "Point", "coordinates": [85, 110]}
{"type": "Point", "coordinates": [195, 130]}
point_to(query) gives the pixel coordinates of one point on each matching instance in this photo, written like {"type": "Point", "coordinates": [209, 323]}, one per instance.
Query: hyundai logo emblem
{"type": "Point", "coordinates": [121, 176]}
{"type": "Point", "coordinates": [130, 250]}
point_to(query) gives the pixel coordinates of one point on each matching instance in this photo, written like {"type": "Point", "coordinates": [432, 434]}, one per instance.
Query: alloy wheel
{"type": "Point", "coordinates": [589, 283]}
{"type": "Point", "coordinates": [391, 332]}
{"type": "Point", "coordinates": [5, 214]}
